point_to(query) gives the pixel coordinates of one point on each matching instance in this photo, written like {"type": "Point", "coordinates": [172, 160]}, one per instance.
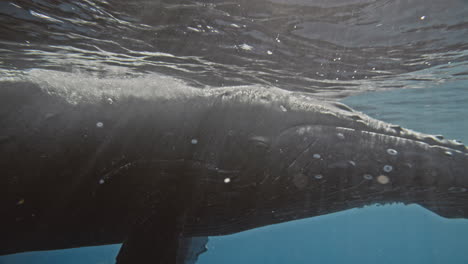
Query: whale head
{"type": "Point", "coordinates": [270, 163]}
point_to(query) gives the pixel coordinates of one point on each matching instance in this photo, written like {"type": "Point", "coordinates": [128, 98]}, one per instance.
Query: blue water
{"type": "Point", "coordinates": [376, 234]}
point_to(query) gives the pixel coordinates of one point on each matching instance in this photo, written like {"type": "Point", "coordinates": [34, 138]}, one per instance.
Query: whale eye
{"type": "Point", "coordinates": [260, 145]}
{"type": "Point", "coordinates": [259, 142]}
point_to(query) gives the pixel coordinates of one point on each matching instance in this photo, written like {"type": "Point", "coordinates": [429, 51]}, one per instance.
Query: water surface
{"type": "Point", "coordinates": [413, 54]}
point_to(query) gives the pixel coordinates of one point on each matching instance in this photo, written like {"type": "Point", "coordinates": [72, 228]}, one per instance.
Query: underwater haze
{"type": "Point", "coordinates": [403, 62]}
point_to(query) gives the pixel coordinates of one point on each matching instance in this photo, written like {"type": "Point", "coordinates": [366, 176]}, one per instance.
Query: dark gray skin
{"type": "Point", "coordinates": [150, 170]}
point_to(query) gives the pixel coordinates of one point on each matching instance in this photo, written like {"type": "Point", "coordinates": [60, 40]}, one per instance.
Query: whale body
{"type": "Point", "coordinates": [91, 162]}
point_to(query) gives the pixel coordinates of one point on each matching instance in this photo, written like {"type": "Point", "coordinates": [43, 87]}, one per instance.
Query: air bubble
{"type": "Point", "coordinates": [448, 153]}
{"type": "Point", "coordinates": [318, 176]}
{"type": "Point", "coordinates": [367, 177]}
{"type": "Point", "coordinates": [283, 108]}
{"type": "Point", "coordinates": [340, 135]}
{"type": "Point", "coordinates": [100, 124]}
{"type": "Point", "coordinates": [392, 152]}
{"type": "Point", "coordinates": [194, 141]}
{"type": "Point", "coordinates": [388, 168]}
{"type": "Point", "coordinates": [227, 180]}
{"type": "Point", "coordinates": [101, 181]}
{"type": "Point", "coordinates": [316, 156]}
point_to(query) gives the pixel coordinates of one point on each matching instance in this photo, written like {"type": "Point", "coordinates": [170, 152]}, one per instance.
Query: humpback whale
{"type": "Point", "coordinates": [159, 167]}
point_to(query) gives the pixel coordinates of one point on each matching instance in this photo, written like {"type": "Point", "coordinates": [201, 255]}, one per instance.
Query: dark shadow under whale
{"type": "Point", "coordinates": [160, 166]}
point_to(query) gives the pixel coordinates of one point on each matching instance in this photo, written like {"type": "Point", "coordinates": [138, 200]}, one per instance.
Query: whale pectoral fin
{"type": "Point", "coordinates": [154, 240]}
{"type": "Point", "coordinates": [190, 248]}
{"type": "Point", "coordinates": [156, 235]}
{"type": "Point", "coordinates": [160, 241]}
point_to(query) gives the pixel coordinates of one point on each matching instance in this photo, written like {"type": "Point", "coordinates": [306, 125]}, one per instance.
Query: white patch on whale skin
{"type": "Point", "coordinates": [383, 179]}
{"type": "Point", "coordinates": [392, 152]}
{"type": "Point", "coordinates": [301, 131]}
{"type": "Point", "coordinates": [347, 129]}
{"type": "Point", "coordinates": [340, 136]}
{"type": "Point", "coordinates": [245, 47]}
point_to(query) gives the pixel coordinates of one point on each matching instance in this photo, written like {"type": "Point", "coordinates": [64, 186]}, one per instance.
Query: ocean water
{"type": "Point", "coordinates": [403, 62]}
